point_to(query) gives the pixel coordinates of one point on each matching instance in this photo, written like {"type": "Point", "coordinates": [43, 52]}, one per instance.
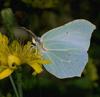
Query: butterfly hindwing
{"type": "Point", "coordinates": [66, 64]}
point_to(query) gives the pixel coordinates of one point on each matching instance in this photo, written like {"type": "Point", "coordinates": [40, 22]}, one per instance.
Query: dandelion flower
{"type": "Point", "coordinates": [13, 54]}
{"type": "Point", "coordinates": [7, 59]}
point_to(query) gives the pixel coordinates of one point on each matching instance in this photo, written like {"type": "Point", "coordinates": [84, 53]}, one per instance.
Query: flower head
{"type": "Point", "coordinates": [13, 54]}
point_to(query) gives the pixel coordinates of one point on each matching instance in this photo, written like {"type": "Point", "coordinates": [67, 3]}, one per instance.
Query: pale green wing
{"type": "Point", "coordinates": [77, 32]}
{"type": "Point", "coordinates": [67, 48]}
{"type": "Point", "coordinates": [65, 64]}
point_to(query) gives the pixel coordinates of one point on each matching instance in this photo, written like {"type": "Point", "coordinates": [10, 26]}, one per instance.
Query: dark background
{"type": "Point", "coordinates": [41, 16]}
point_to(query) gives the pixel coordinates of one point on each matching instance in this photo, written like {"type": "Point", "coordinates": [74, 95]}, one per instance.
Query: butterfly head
{"type": "Point", "coordinates": [38, 43]}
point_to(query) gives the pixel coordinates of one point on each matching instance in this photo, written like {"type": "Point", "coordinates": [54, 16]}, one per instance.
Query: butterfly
{"type": "Point", "coordinates": [66, 47]}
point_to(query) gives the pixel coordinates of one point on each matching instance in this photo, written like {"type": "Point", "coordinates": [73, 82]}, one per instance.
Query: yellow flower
{"type": "Point", "coordinates": [33, 59]}
{"type": "Point", "coordinates": [13, 61]}
{"type": "Point", "coordinates": [7, 60]}
{"type": "Point", "coordinates": [12, 55]}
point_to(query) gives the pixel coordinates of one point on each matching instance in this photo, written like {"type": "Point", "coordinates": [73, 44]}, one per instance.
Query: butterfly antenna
{"type": "Point", "coordinates": [29, 31]}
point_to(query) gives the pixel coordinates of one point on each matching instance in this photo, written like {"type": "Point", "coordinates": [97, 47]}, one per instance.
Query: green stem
{"type": "Point", "coordinates": [14, 87]}
{"type": "Point", "coordinates": [19, 83]}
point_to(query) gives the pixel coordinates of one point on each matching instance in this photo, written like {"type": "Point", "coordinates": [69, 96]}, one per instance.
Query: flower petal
{"type": "Point", "coordinates": [13, 60]}
{"type": "Point", "coordinates": [37, 67]}
{"type": "Point", "coordinates": [5, 73]}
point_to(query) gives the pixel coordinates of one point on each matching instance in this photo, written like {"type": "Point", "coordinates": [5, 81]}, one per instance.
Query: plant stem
{"type": "Point", "coordinates": [19, 83]}
{"type": "Point", "coordinates": [14, 87]}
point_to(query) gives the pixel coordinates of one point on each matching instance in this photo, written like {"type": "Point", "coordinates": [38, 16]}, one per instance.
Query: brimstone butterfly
{"type": "Point", "coordinates": [66, 47]}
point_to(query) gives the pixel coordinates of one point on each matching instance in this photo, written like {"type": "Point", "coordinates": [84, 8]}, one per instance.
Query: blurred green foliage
{"type": "Point", "coordinates": [42, 3]}
{"type": "Point", "coordinates": [41, 16]}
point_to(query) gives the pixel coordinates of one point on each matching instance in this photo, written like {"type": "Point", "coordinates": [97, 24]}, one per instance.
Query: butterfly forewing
{"type": "Point", "coordinates": [77, 32]}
